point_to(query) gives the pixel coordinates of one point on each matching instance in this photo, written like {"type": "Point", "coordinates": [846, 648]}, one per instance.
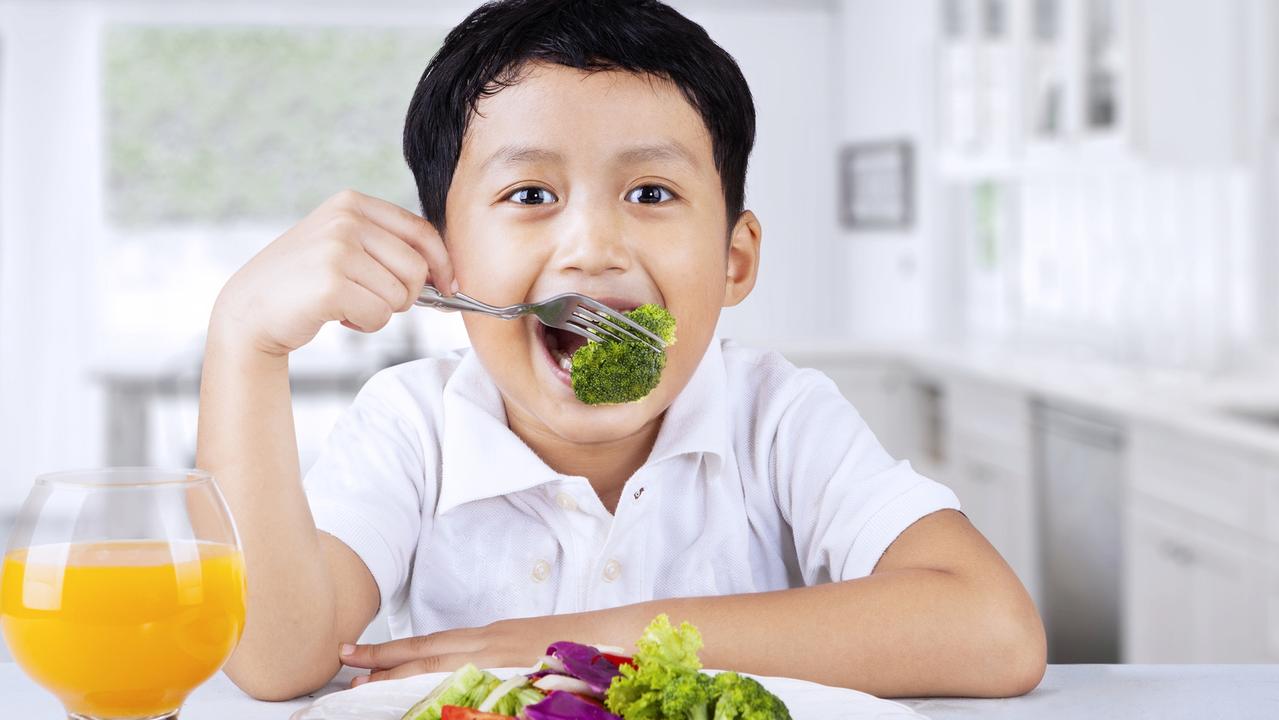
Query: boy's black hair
{"type": "Point", "coordinates": [488, 50]}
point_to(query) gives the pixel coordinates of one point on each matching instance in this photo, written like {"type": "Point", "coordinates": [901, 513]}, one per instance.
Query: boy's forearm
{"type": "Point", "coordinates": [246, 439]}
{"type": "Point", "coordinates": [902, 633]}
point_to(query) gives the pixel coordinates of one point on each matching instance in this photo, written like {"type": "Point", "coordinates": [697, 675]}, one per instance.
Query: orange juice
{"type": "Point", "coordinates": [122, 628]}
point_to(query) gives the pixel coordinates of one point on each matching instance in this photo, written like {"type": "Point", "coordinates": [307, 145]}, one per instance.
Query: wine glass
{"type": "Point", "coordinates": [123, 589]}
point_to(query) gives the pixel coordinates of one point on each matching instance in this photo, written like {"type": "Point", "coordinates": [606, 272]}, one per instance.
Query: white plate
{"type": "Point", "coordinates": [389, 699]}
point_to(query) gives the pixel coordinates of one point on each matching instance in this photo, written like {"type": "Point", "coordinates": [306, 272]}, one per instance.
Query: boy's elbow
{"type": "Point", "coordinates": [1027, 670]}
{"type": "Point", "coordinates": [1020, 655]}
{"type": "Point", "coordinates": [261, 681]}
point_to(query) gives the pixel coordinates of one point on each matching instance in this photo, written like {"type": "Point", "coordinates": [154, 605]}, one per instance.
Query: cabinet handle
{"type": "Point", "coordinates": [1177, 552]}
{"type": "Point", "coordinates": [981, 473]}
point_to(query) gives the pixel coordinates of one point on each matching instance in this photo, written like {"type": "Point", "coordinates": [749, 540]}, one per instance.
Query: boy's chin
{"type": "Point", "coordinates": [582, 423]}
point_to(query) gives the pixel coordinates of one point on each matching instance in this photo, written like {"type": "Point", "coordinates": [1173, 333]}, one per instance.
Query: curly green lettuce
{"type": "Point", "coordinates": [665, 654]}
{"type": "Point", "coordinates": [666, 683]}
{"type": "Point", "coordinates": [622, 372]}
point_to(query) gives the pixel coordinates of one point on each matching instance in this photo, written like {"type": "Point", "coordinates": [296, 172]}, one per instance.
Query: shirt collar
{"type": "Point", "coordinates": [482, 458]}
{"type": "Point", "coordinates": [697, 422]}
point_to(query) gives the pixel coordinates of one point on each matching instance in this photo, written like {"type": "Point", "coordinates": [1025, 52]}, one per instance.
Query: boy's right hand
{"type": "Point", "coordinates": [355, 259]}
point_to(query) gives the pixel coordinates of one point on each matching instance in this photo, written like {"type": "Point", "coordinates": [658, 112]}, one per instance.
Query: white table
{"type": "Point", "coordinates": [1094, 692]}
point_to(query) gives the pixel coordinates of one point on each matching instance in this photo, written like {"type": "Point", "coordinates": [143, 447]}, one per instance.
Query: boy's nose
{"type": "Point", "coordinates": [595, 244]}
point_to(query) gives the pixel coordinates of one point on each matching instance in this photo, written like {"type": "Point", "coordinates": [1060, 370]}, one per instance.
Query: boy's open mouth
{"type": "Point", "coordinates": [561, 344]}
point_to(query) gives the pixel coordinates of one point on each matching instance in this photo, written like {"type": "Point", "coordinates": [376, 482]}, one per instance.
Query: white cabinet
{"type": "Point", "coordinates": [1194, 104]}
{"type": "Point", "coordinates": [1169, 82]}
{"type": "Point", "coordinates": [1200, 586]}
{"type": "Point", "coordinates": [988, 463]}
{"type": "Point", "coordinates": [1272, 610]}
{"type": "Point", "coordinates": [996, 498]}
{"type": "Point", "coordinates": [1196, 593]}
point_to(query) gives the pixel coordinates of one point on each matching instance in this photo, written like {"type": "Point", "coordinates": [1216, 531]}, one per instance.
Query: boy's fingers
{"type": "Point", "coordinates": [367, 272]}
{"type": "Point", "coordinates": [408, 266]}
{"type": "Point", "coordinates": [412, 229]}
{"type": "Point", "coordinates": [405, 650]}
{"type": "Point", "coordinates": [362, 309]}
{"type": "Point", "coordinates": [411, 668]}
{"type": "Point", "coordinates": [385, 655]}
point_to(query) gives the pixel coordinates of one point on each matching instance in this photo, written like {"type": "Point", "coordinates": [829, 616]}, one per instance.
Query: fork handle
{"type": "Point", "coordinates": [431, 297]}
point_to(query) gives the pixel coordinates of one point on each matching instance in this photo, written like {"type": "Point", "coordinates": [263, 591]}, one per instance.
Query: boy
{"type": "Point", "coordinates": [597, 147]}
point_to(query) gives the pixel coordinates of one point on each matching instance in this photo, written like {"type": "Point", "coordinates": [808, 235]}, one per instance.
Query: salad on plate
{"type": "Point", "coordinates": [662, 681]}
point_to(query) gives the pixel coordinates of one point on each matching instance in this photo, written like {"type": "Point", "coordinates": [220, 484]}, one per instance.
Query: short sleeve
{"type": "Point", "coordinates": [367, 487]}
{"type": "Point", "coordinates": [845, 498]}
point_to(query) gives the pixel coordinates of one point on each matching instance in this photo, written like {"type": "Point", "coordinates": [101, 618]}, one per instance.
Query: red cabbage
{"type": "Point", "coordinates": [566, 706]}
{"type": "Point", "coordinates": [586, 664]}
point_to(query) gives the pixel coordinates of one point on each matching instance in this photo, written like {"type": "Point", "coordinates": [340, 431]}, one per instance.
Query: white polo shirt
{"type": "Point", "coordinates": [762, 477]}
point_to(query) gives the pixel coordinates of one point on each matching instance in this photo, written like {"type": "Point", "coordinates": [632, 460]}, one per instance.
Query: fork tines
{"type": "Point", "coordinates": [606, 317]}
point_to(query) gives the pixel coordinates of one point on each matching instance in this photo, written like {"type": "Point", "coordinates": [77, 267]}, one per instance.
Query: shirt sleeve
{"type": "Point", "coordinates": [845, 498]}
{"type": "Point", "coordinates": [367, 486]}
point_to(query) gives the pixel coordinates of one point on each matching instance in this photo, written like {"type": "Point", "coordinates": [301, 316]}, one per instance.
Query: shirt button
{"type": "Point", "coordinates": [612, 570]}
{"type": "Point", "coordinates": [541, 571]}
{"type": "Point", "coordinates": [566, 501]}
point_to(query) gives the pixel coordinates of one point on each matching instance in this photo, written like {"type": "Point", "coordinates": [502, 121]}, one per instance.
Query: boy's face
{"type": "Point", "coordinates": [601, 184]}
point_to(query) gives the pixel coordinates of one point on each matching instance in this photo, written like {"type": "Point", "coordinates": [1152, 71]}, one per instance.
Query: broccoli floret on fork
{"type": "Point", "coordinates": [622, 372]}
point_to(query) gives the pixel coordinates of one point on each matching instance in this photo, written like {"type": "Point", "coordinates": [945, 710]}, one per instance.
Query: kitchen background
{"type": "Point", "coordinates": [1034, 241]}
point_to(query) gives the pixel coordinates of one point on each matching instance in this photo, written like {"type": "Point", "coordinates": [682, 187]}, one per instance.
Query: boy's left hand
{"type": "Point", "coordinates": [506, 643]}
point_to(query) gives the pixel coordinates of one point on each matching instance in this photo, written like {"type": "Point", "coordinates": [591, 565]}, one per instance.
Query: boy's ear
{"type": "Point", "coordinates": [743, 258]}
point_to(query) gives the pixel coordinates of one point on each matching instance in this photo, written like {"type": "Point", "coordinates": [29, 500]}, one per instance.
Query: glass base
{"type": "Point", "coordinates": [166, 716]}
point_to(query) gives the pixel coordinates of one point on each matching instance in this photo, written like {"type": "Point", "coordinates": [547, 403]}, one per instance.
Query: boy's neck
{"type": "Point", "coordinates": [607, 465]}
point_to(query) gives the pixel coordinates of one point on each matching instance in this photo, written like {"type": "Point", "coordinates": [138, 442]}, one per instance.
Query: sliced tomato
{"type": "Point", "coordinates": [619, 660]}
{"type": "Point", "coordinates": [453, 712]}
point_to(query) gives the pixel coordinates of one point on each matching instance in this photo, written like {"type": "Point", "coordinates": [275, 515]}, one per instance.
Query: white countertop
{"type": "Point", "coordinates": [1185, 401]}
{"type": "Point", "coordinates": [1094, 692]}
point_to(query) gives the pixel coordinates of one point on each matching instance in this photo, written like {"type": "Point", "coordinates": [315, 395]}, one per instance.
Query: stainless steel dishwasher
{"type": "Point", "coordinates": [1080, 473]}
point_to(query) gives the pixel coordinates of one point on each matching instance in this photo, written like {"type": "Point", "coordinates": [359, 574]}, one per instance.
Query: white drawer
{"type": "Point", "coordinates": [1200, 476]}
{"type": "Point", "coordinates": [984, 410]}
{"type": "Point", "coordinates": [1003, 453]}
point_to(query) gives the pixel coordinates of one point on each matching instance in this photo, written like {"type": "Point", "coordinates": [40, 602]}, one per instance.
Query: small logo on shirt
{"type": "Point", "coordinates": [638, 493]}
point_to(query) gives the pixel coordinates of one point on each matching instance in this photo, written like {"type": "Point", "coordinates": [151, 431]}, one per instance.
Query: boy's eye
{"type": "Point", "coordinates": [532, 196]}
{"type": "Point", "coordinates": [650, 194]}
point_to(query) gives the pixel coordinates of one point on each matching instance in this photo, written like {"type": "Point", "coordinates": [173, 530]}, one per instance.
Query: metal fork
{"type": "Point", "coordinates": [578, 314]}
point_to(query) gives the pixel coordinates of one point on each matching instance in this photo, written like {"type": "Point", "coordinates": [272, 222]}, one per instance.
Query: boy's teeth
{"type": "Point", "coordinates": [566, 363]}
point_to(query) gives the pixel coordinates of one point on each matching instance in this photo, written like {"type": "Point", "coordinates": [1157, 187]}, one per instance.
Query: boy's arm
{"type": "Point", "coordinates": [295, 618]}
{"type": "Point", "coordinates": [942, 614]}
{"type": "Point", "coordinates": [355, 260]}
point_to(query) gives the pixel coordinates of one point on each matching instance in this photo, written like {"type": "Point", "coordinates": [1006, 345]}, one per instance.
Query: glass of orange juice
{"type": "Point", "coordinates": [123, 589]}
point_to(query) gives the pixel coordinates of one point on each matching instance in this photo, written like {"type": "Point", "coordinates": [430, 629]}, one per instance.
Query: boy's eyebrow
{"type": "Point", "coordinates": [524, 154]}
{"type": "Point", "coordinates": [658, 151]}
{"type": "Point", "coordinates": [520, 154]}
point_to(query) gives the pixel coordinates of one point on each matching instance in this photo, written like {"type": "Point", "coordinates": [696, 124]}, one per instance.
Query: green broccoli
{"type": "Point", "coordinates": [622, 372]}
{"type": "Point", "coordinates": [743, 698]}
{"type": "Point", "coordinates": [687, 697]}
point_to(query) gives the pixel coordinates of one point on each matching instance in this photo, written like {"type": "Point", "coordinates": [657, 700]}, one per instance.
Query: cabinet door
{"type": "Point", "coordinates": [1158, 602]}
{"type": "Point", "coordinates": [1195, 593]}
{"type": "Point", "coordinates": [1229, 600]}
{"type": "Point", "coordinates": [1272, 613]}
{"type": "Point", "coordinates": [994, 499]}
{"type": "Point", "coordinates": [989, 466]}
